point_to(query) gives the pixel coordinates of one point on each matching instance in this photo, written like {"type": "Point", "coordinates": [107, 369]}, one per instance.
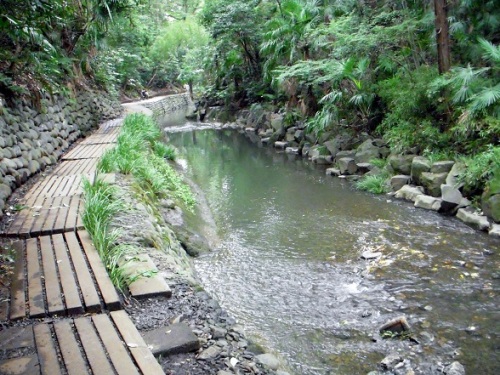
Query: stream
{"type": "Point", "coordinates": [286, 264]}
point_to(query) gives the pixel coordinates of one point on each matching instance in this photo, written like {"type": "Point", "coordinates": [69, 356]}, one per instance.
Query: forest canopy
{"type": "Point", "coordinates": [422, 74]}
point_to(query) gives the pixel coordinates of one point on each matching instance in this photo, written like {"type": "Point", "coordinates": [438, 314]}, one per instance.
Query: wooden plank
{"type": "Point", "coordinates": [35, 218]}
{"type": "Point", "coordinates": [59, 225]}
{"type": "Point", "coordinates": [93, 348]}
{"type": "Point", "coordinates": [45, 347]}
{"type": "Point", "coordinates": [68, 281]}
{"type": "Point", "coordinates": [106, 287]}
{"type": "Point", "coordinates": [47, 226]}
{"type": "Point", "coordinates": [35, 292]}
{"type": "Point", "coordinates": [55, 303]}
{"type": "Point", "coordinates": [72, 220]}
{"type": "Point", "coordinates": [87, 286]}
{"type": "Point", "coordinates": [141, 353]}
{"type": "Point", "coordinates": [72, 356]}
{"type": "Point", "coordinates": [18, 286]}
{"type": "Point", "coordinates": [114, 346]}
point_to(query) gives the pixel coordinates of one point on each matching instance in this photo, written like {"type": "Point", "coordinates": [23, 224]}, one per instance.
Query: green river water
{"type": "Point", "coordinates": [286, 264]}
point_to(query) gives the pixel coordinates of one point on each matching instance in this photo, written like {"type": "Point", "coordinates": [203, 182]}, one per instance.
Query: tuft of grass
{"type": "Point", "coordinates": [379, 163]}
{"type": "Point", "coordinates": [100, 206]}
{"type": "Point", "coordinates": [141, 153]}
{"type": "Point", "coordinates": [373, 184]}
{"type": "Point", "coordinates": [164, 151]}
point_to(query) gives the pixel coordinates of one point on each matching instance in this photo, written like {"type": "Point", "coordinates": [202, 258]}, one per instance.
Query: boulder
{"type": "Point", "coordinates": [419, 165]}
{"type": "Point", "coordinates": [490, 200]}
{"type": "Point", "coordinates": [427, 202]}
{"type": "Point", "coordinates": [268, 360]}
{"type": "Point", "coordinates": [473, 219]}
{"type": "Point", "coordinates": [366, 152]}
{"type": "Point", "coordinates": [398, 181]}
{"type": "Point", "coordinates": [345, 154]}
{"type": "Point", "coordinates": [455, 368]}
{"type": "Point", "coordinates": [409, 193]}
{"type": "Point", "coordinates": [281, 145]}
{"type": "Point", "coordinates": [299, 135]}
{"type": "Point", "coordinates": [333, 145]}
{"type": "Point", "coordinates": [442, 166]}
{"type": "Point", "coordinates": [322, 159]}
{"type": "Point", "coordinates": [292, 150]}
{"type": "Point", "coordinates": [396, 326]}
{"type": "Point", "coordinates": [333, 172]}
{"type": "Point", "coordinates": [317, 150]}
{"type": "Point", "coordinates": [389, 362]}
{"type": "Point", "coordinates": [451, 199]}
{"type": "Point", "coordinates": [494, 230]}
{"type": "Point", "coordinates": [401, 163]}
{"type": "Point", "coordinates": [347, 166]}
{"type": "Point", "coordinates": [455, 171]}
{"type": "Point", "coordinates": [364, 167]}
{"type": "Point", "coordinates": [432, 182]}
{"type": "Point", "coordinates": [491, 207]}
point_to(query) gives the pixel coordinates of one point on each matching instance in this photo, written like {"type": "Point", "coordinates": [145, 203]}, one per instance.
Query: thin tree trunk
{"type": "Point", "coordinates": [442, 35]}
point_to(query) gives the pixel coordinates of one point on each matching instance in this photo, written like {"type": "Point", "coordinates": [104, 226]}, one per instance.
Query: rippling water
{"type": "Point", "coordinates": [287, 265]}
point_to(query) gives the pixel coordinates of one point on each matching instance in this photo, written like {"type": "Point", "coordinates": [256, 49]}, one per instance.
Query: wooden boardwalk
{"type": "Point", "coordinates": [58, 273]}
{"type": "Point", "coordinates": [97, 344]}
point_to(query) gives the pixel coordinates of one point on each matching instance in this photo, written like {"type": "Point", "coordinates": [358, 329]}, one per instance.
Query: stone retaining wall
{"type": "Point", "coordinates": [164, 105]}
{"type": "Point", "coordinates": [32, 139]}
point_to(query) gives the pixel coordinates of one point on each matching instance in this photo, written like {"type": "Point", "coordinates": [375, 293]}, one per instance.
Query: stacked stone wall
{"type": "Point", "coordinates": [33, 138]}
{"type": "Point", "coordinates": [167, 104]}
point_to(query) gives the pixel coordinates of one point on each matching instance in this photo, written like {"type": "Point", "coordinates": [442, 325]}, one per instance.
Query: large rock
{"type": "Point", "coordinates": [427, 202]}
{"type": "Point", "coordinates": [322, 159]}
{"type": "Point", "coordinates": [471, 218]}
{"type": "Point", "coordinates": [347, 166]}
{"type": "Point", "coordinates": [490, 199]}
{"type": "Point", "coordinates": [366, 152]}
{"type": "Point", "coordinates": [455, 368]}
{"type": "Point", "coordinates": [401, 164]}
{"type": "Point", "coordinates": [268, 360]}
{"type": "Point", "coordinates": [316, 151]}
{"type": "Point", "coordinates": [398, 181]}
{"type": "Point", "coordinates": [432, 182]}
{"type": "Point", "coordinates": [456, 171]}
{"type": "Point", "coordinates": [491, 207]}
{"type": "Point", "coordinates": [442, 166]}
{"type": "Point", "coordinates": [494, 230]}
{"type": "Point", "coordinates": [419, 165]}
{"type": "Point", "coordinates": [409, 193]}
{"type": "Point", "coordinates": [281, 145]}
{"type": "Point", "coordinates": [451, 199]}
{"type": "Point", "coordinates": [345, 154]}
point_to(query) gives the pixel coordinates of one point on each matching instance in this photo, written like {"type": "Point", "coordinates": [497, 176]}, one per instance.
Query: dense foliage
{"type": "Point", "coordinates": [338, 65]}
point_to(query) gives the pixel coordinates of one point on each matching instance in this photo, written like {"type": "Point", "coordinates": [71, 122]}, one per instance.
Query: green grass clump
{"type": "Point", "coordinates": [100, 206]}
{"type": "Point", "coordinates": [164, 151]}
{"type": "Point", "coordinates": [374, 184]}
{"type": "Point", "coordinates": [141, 153]}
{"type": "Point", "coordinates": [379, 163]}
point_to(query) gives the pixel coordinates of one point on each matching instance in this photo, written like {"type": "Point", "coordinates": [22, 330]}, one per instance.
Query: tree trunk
{"type": "Point", "coordinates": [442, 35]}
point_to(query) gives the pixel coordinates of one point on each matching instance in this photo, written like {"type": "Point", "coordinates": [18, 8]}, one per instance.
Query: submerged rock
{"type": "Point", "coordinates": [391, 361]}
{"type": "Point", "coordinates": [395, 326]}
{"type": "Point", "coordinates": [268, 360]}
{"type": "Point", "coordinates": [455, 368]}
